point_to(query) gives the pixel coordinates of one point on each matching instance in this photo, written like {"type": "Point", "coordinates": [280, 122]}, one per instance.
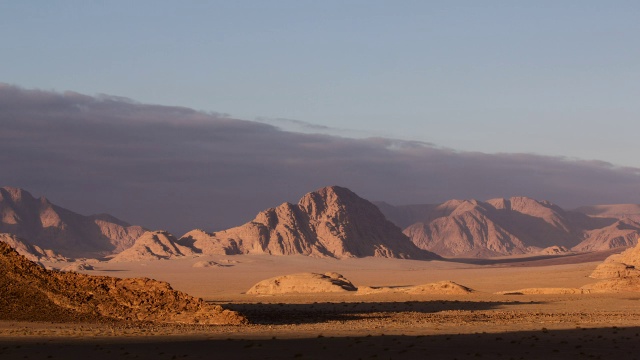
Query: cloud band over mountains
{"type": "Point", "coordinates": [177, 168]}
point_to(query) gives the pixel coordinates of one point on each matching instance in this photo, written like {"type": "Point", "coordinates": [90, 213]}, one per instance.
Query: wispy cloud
{"type": "Point", "coordinates": [176, 168]}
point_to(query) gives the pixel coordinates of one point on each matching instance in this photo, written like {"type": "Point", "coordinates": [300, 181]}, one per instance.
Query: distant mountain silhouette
{"type": "Point", "coordinates": [519, 225]}
{"type": "Point", "coordinates": [48, 226]}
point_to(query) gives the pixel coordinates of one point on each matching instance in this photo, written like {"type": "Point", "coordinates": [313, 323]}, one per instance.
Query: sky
{"type": "Point", "coordinates": [198, 114]}
{"type": "Point", "coordinates": [542, 77]}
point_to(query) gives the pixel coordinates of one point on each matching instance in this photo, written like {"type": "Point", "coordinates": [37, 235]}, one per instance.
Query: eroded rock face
{"type": "Point", "coordinates": [329, 222]}
{"type": "Point", "coordinates": [303, 283]}
{"type": "Point", "coordinates": [43, 224]}
{"type": "Point", "coordinates": [154, 245]}
{"type": "Point", "coordinates": [29, 292]}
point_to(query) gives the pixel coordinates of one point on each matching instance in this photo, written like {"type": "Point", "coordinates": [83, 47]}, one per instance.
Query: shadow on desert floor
{"type": "Point", "coordinates": [295, 314]}
{"type": "Point", "coordinates": [539, 260]}
{"type": "Point", "coordinates": [598, 343]}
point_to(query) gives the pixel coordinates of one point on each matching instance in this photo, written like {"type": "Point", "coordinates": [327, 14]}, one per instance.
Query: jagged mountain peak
{"type": "Point", "coordinates": [332, 221]}
{"type": "Point", "coordinates": [15, 194]}
{"type": "Point", "coordinates": [330, 198]}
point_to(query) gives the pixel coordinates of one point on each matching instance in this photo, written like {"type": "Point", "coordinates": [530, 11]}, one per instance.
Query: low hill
{"type": "Point", "coordinates": [154, 245]}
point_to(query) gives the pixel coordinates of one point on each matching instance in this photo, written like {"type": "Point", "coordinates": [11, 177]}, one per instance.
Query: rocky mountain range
{"type": "Point", "coordinates": [49, 226]}
{"type": "Point", "coordinates": [518, 225]}
{"type": "Point", "coordinates": [330, 222]}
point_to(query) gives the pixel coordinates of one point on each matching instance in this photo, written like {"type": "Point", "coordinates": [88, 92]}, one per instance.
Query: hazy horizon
{"type": "Point", "coordinates": [179, 169]}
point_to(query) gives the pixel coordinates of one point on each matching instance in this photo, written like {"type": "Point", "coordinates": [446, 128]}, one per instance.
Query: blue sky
{"type": "Point", "coordinates": [543, 77]}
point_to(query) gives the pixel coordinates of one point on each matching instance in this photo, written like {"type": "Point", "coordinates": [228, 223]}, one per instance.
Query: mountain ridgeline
{"type": "Point", "coordinates": [519, 225]}
{"type": "Point", "coordinates": [49, 226]}
{"type": "Point", "coordinates": [330, 222]}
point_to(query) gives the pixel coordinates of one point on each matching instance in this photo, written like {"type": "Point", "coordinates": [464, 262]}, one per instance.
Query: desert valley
{"type": "Point", "coordinates": [334, 275]}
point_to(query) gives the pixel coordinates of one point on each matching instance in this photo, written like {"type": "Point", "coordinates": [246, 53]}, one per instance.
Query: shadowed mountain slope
{"type": "Point", "coordinates": [43, 224]}
{"type": "Point", "coordinates": [518, 225]}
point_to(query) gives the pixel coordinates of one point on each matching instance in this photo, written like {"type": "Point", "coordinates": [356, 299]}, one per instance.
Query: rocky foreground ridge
{"type": "Point", "coordinates": [49, 226]}
{"type": "Point", "coordinates": [518, 225]}
{"type": "Point", "coordinates": [29, 292]}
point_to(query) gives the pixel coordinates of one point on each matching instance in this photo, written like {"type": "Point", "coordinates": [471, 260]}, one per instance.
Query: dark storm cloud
{"type": "Point", "coordinates": [176, 168]}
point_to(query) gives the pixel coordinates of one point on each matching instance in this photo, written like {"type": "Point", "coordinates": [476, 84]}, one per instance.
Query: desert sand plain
{"type": "Point", "coordinates": [556, 325]}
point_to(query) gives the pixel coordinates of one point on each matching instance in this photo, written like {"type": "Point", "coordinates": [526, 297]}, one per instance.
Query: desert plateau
{"type": "Point", "coordinates": [329, 277]}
